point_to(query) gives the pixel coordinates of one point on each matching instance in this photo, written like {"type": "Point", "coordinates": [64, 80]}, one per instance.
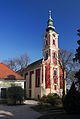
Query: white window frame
{"type": "Point", "coordinates": [54, 41]}
{"type": "Point", "coordinates": [54, 72]}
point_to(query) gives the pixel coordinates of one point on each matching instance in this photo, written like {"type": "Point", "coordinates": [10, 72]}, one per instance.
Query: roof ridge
{"type": "Point", "coordinates": [35, 61]}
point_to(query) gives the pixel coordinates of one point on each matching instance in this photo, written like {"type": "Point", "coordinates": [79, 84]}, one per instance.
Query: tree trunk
{"type": "Point", "coordinates": [63, 84]}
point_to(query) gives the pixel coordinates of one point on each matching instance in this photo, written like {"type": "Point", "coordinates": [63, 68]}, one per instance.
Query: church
{"type": "Point", "coordinates": [45, 75]}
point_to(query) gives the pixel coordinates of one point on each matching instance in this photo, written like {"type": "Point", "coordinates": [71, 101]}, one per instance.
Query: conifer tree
{"type": "Point", "coordinates": [77, 58]}
{"type": "Point", "coordinates": [77, 55]}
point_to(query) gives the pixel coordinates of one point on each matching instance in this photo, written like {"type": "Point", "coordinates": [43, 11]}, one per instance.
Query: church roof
{"type": "Point", "coordinates": [7, 73]}
{"type": "Point", "coordinates": [30, 66]}
{"type": "Point", "coordinates": [34, 64]}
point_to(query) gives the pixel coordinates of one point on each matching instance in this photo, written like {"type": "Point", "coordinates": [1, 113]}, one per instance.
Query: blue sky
{"type": "Point", "coordinates": [23, 23]}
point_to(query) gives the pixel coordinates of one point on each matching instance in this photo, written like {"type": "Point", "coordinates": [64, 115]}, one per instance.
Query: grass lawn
{"type": "Point", "coordinates": [59, 116]}
{"type": "Point", "coordinates": [40, 108]}
{"type": "Point", "coordinates": [45, 107]}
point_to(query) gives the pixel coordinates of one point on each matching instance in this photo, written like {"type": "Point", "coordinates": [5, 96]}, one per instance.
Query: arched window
{"type": "Point", "coordinates": [54, 35]}
{"type": "Point", "coordinates": [55, 72]}
{"type": "Point", "coordinates": [54, 41]}
{"type": "Point", "coordinates": [46, 55]}
{"type": "Point", "coordinates": [54, 54]}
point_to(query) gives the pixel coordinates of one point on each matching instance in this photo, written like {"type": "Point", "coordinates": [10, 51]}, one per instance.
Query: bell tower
{"type": "Point", "coordinates": [50, 46]}
{"type": "Point", "coordinates": [50, 58]}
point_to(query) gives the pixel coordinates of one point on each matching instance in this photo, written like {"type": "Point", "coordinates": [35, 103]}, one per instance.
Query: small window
{"type": "Point", "coordinates": [46, 36]}
{"type": "Point", "coordinates": [54, 41]}
{"type": "Point", "coordinates": [46, 55]}
{"type": "Point", "coordinates": [54, 35]}
{"type": "Point", "coordinates": [54, 87]}
{"type": "Point", "coordinates": [54, 55]}
{"type": "Point", "coordinates": [55, 80]}
{"type": "Point", "coordinates": [54, 72]}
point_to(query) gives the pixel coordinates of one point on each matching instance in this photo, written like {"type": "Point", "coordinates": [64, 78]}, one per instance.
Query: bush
{"type": "Point", "coordinates": [15, 93]}
{"type": "Point", "coordinates": [43, 99]}
{"type": "Point", "coordinates": [71, 101]}
{"type": "Point", "coordinates": [3, 101]}
{"type": "Point", "coordinates": [53, 99]}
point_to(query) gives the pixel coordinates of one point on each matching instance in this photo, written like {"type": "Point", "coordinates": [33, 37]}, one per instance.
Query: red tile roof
{"type": "Point", "coordinates": [7, 73]}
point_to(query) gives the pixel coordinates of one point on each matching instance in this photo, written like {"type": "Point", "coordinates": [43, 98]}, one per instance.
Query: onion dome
{"type": "Point", "coordinates": [50, 23]}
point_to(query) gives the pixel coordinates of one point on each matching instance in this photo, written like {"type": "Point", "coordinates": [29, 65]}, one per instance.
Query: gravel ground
{"type": "Point", "coordinates": [19, 111]}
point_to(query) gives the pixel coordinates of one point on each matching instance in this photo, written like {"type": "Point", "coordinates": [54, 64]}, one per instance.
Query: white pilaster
{"type": "Point", "coordinates": [44, 75]}
{"type": "Point", "coordinates": [33, 85]}
{"type": "Point", "coordinates": [58, 75]}
{"type": "Point", "coordinates": [27, 84]}
{"type": "Point", "coordinates": [41, 93]}
{"type": "Point", "coordinates": [40, 76]}
{"type": "Point", "coordinates": [58, 80]}
{"type": "Point", "coordinates": [44, 93]}
{"type": "Point", "coordinates": [51, 79]}
{"type": "Point", "coordinates": [51, 57]}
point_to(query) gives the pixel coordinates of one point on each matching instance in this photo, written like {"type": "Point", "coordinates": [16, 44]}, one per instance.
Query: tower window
{"type": "Point", "coordinates": [46, 55]}
{"type": "Point", "coordinates": [54, 41]}
{"type": "Point", "coordinates": [46, 42]}
{"type": "Point", "coordinates": [54, 35]}
{"type": "Point", "coordinates": [54, 55]}
{"type": "Point", "coordinates": [54, 72]}
{"type": "Point", "coordinates": [46, 36]}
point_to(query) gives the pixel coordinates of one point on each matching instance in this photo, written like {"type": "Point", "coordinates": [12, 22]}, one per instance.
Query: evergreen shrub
{"type": "Point", "coordinates": [15, 94]}
{"type": "Point", "coordinates": [53, 99]}
{"type": "Point", "coordinates": [71, 101]}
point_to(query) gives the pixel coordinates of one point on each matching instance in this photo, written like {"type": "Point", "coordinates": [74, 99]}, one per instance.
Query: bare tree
{"type": "Point", "coordinates": [68, 67]}
{"type": "Point", "coordinates": [66, 64]}
{"type": "Point", "coordinates": [18, 62]}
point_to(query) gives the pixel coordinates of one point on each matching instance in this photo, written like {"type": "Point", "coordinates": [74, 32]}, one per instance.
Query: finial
{"type": "Point", "coordinates": [49, 13]}
{"type": "Point", "coordinates": [50, 23]}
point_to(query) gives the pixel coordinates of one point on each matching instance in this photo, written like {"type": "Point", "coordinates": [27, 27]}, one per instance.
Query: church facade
{"type": "Point", "coordinates": [45, 75]}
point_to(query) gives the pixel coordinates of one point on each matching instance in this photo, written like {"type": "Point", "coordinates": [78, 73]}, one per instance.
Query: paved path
{"type": "Point", "coordinates": [19, 112]}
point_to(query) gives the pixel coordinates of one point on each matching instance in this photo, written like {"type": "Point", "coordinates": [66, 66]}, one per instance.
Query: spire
{"type": "Point", "coordinates": [49, 14]}
{"type": "Point", "coordinates": [50, 23]}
